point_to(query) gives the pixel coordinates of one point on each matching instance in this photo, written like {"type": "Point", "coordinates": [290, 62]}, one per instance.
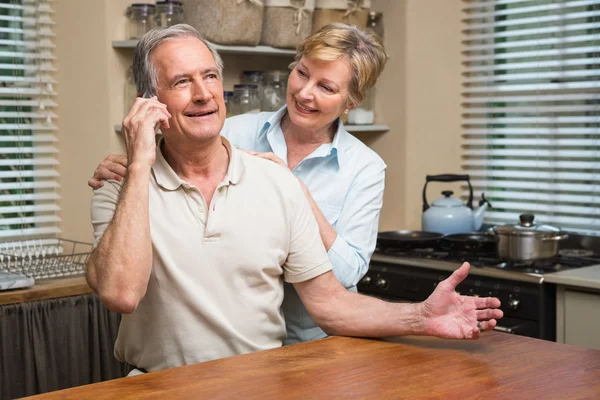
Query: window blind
{"type": "Point", "coordinates": [531, 122]}
{"type": "Point", "coordinates": [28, 164]}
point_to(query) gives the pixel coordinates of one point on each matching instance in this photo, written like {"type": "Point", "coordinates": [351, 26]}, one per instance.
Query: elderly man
{"type": "Point", "coordinates": [193, 248]}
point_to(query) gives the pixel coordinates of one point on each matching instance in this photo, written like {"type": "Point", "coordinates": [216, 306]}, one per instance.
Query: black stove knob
{"type": "Point", "coordinates": [381, 283]}
{"type": "Point", "coordinates": [366, 281]}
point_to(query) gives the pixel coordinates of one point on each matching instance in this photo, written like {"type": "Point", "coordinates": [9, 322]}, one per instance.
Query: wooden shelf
{"type": "Point", "coordinates": [349, 128]}
{"type": "Point", "coordinates": [257, 50]}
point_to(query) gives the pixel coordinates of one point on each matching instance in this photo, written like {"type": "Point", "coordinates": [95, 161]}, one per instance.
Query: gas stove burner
{"type": "Point", "coordinates": [576, 253]}
{"type": "Point", "coordinates": [547, 264]}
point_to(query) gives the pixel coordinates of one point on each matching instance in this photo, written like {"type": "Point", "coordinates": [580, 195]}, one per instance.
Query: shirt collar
{"type": "Point", "coordinates": [167, 178]}
{"type": "Point", "coordinates": [275, 122]}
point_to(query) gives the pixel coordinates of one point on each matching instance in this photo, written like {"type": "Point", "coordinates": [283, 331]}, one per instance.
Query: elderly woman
{"type": "Point", "coordinates": [342, 178]}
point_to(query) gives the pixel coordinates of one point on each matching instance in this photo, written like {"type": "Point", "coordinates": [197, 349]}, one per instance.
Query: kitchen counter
{"type": "Point", "coordinates": [47, 289]}
{"type": "Point", "coordinates": [586, 277]}
{"type": "Point", "coordinates": [498, 365]}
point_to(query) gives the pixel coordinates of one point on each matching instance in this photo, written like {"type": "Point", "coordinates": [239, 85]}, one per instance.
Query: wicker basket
{"type": "Point", "coordinates": [44, 258]}
{"type": "Point", "coordinates": [287, 22]}
{"type": "Point", "coordinates": [230, 22]}
{"type": "Point", "coordinates": [352, 12]}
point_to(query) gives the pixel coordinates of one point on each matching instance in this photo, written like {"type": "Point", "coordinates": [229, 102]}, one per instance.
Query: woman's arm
{"type": "Point", "coordinates": [352, 242]}
{"type": "Point", "coordinates": [357, 225]}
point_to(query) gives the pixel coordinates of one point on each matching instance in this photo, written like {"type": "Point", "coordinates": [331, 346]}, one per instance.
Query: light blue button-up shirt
{"type": "Point", "coordinates": [346, 180]}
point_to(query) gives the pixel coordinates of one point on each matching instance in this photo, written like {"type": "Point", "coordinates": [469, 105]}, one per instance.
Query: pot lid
{"type": "Point", "coordinates": [525, 226]}
{"type": "Point", "coordinates": [448, 200]}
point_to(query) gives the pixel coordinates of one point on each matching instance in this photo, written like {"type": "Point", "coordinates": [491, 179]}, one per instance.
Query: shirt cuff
{"type": "Point", "coordinates": [342, 256]}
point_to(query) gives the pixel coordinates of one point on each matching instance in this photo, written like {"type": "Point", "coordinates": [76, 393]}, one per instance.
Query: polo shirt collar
{"type": "Point", "coordinates": [167, 178]}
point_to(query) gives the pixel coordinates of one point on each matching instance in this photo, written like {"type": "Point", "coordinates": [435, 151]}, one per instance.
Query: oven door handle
{"type": "Point", "coordinates": [503, 329]}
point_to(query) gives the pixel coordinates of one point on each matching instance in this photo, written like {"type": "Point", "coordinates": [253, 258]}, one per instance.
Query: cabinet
{"type": "Point", "coordinates": [56, 343]}
{"type": "Point", "coordinates": [576, 316]}
{"type": "Point", "coordinates": [278, 59]}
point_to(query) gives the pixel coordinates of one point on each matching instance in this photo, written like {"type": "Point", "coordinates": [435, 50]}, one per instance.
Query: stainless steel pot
{"type": "Point", "coordinates": [527, 242]}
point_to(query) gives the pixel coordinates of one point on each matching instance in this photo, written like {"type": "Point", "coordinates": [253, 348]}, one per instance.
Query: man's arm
{"type": "Point", "coordinates": [444, 314]}
{"type": "Point", "coordinates": [119, 267]}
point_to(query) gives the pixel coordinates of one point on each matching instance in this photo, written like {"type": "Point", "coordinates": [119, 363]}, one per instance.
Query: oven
{"type": "Point", "coordinates": [528, 303]}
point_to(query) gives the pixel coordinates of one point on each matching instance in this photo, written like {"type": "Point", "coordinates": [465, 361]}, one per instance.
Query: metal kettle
{"type": "Point", "coordinates": [449, 215]}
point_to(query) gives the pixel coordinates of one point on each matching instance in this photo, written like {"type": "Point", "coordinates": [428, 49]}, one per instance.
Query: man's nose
{"type": "Point", "coordinates": [201, 92]}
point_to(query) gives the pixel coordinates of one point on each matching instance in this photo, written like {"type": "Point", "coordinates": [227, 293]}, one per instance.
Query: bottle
{"type": "Point", "coordinates": [168, 13]}
{"type": "Point", "coordinates": [245, 99]}
{"type": "Point", "coordinates": [140, 19]}
{"type": "Point", "coordinates": [375, 23]}
{"type": "Point", "coordinates": [227, 97]}
{"type": "Point", "coordinates": [274, 91]}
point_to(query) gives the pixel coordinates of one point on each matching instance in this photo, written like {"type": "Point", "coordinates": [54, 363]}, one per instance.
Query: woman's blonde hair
{"type": "Point", "coordinates": [363, 49]}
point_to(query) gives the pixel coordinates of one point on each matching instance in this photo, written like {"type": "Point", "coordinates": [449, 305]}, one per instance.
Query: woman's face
{"type": "Point", "coordinates": [318, 92]}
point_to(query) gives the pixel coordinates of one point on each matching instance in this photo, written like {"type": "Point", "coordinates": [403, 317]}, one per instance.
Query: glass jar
{"type": "Point", "coordinates": [130, 90]}
{"type": "Point", "coordinates": [274, 91]}
{"type": "Point", "coordinates": [245, 99]}
{"type": "Point", "coordinates": [140, 19]}
{"type": "Point", "coordinates": [253, 78]}
{"type": "Point", "coordinates": [227, 97]}
{"type": "Point", "coordinates": [168, 13]}
{"type": "Point", "coordinates": [364, 114]}
{"type": "Point", "coordinates": [375, 23]}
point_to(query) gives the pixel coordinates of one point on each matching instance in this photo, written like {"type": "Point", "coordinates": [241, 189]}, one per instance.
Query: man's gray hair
{"type": "Point", "coordinates": [145, 73]}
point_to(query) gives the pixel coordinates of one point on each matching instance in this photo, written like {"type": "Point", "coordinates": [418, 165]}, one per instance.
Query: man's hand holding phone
{"type": "Point", "coordinates": [139, 127]}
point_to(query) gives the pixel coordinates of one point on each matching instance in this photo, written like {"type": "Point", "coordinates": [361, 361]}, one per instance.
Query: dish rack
{"type": "Point", "coordinates": [44, 258]}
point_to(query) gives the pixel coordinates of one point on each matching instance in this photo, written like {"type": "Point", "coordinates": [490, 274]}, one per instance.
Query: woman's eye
{"type": "Point", "coordinates": [327, 89]}
{"type": "Point", "coordinates": [302, 73]}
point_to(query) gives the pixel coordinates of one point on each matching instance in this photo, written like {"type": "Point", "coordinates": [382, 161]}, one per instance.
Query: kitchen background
{"type": "Point", "coordinates": [418, 96]}
{"type": "Point", "coordinates": [418, 99]}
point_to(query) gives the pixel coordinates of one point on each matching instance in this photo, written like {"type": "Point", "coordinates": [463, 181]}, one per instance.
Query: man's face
{"type": "Point", "coordinates": [190, 86]}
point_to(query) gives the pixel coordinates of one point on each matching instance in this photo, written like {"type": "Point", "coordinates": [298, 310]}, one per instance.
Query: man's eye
{"type": "Point", "coordinates": [212, 76]}
{"type": "Point", "coordinates": [182, 81]}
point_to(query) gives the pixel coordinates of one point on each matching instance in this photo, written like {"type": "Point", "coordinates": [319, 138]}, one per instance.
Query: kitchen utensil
{"type": "Point", "coordinates": [403, 239]}
{"type": "Point", "coordinates": [527, 242]}
{"type": "Point", "coordinates": [474, 241]}
{"type": "Point", "coordinates": [449, 215]}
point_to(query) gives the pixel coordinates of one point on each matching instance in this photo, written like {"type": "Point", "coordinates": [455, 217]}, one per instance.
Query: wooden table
{"type": "Point", "coordinates": [496, 366]}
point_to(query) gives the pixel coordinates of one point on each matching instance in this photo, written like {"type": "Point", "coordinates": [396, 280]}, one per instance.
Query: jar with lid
{"type": "Point", "coordinates": [245, 99]}
{"type": "Point", "coordinates": [364, 113]}
{"type": "Point", "coordinates": [253, 78]}
{"type": "Point", "coordinates": [130, 90]}
{"type": "Point", "coordinates": [140, 19]}
{"type": "Point", "coordinates": [274, 91]}
{"type": "Point", "coordinates": [227, 97]}
{"type": "Point", "coordinates": [375, 23]}
{"type": "Point", "coordinates": [168, 13]}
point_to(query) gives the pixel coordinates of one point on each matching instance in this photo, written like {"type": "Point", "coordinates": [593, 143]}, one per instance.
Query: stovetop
{"type": "Point", "coordinates": [566, 259]}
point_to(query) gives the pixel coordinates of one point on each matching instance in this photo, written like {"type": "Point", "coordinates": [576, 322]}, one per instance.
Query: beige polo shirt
{"type": "Point", "coordinates": [216, 285]}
